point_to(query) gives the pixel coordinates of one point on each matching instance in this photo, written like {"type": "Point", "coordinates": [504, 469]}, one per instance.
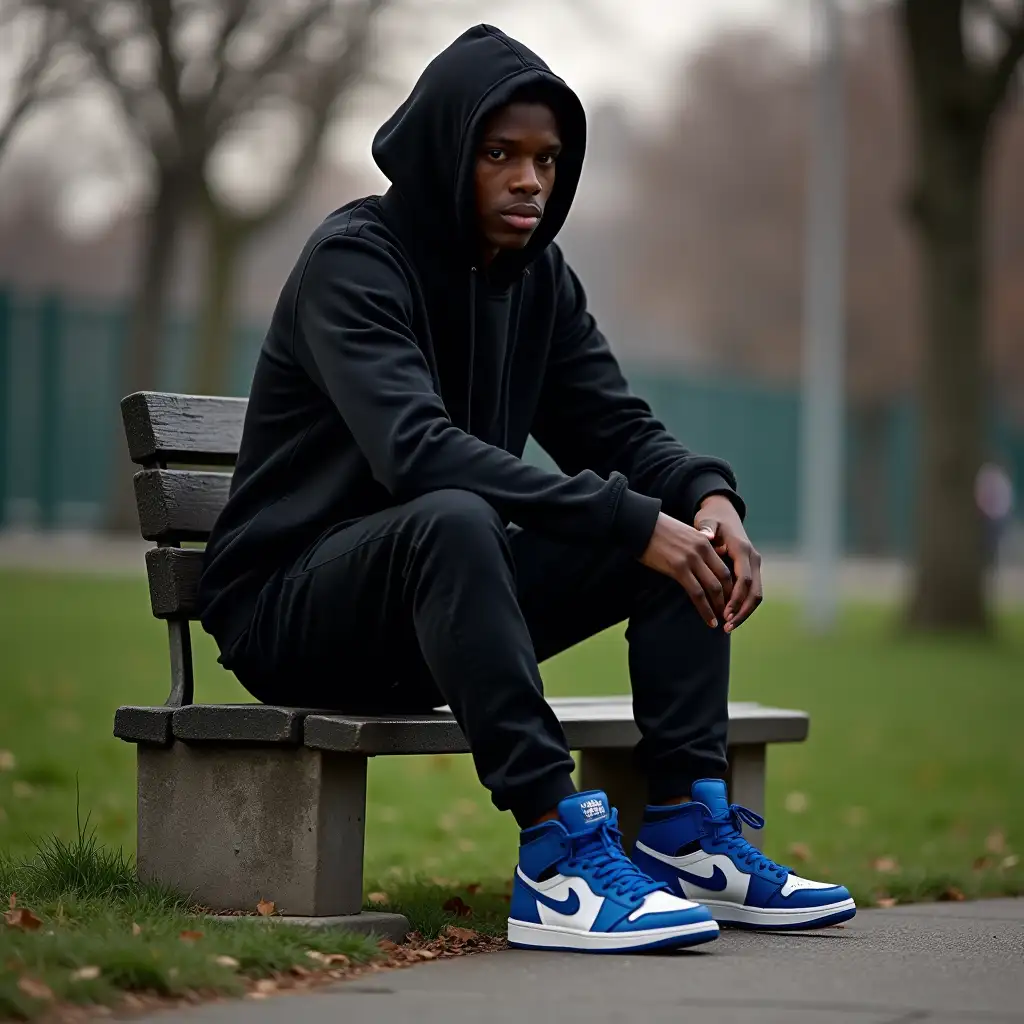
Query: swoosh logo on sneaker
{"type": "Point", "coordinates": [715, 882]}
{"type": "Point", "coordinates": [569, 906]}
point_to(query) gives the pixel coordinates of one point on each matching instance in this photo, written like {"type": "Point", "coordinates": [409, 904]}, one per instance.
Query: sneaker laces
{"type": "Point", "coordinates": [599, 851]}
{"type": "Point", "coordinates": [729, 833]}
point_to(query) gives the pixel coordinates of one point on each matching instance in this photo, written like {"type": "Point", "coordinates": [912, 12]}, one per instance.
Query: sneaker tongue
{"type": "Point", "coordinates": [583, 811]}
{"type": "Point", "coordinates": [712, 793]}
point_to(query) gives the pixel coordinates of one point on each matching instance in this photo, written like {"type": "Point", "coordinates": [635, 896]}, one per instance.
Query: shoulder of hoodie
{"type": "Point", "coordinates": [352, 233]}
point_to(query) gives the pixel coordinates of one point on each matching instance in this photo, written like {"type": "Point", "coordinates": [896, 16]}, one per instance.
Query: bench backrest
{"type": "Point", "coordinates": [184, 444]}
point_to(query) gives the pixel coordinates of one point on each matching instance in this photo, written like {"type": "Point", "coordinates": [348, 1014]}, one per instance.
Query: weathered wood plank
{"type": "Point", "coordinates": [179, 504]}
{"type": "Point", "coordinates": [191, 429]}
{"type": "Point", "coordinates": [174, 581]}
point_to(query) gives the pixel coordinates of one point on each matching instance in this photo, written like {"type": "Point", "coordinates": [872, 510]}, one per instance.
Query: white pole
{"type": "Point", "coordinates": [822, 412]}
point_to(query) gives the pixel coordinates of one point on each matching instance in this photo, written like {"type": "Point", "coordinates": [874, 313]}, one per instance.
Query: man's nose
{"type": "Point", "coordinates": [526, 180]}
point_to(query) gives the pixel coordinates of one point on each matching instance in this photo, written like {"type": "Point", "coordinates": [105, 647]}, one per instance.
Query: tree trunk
{"type": "Point", "coordinates": [224, 241]}
{"type": "Point", "coordinates": [871, 420]}
{"type": "Point", "coordinates": [949, 590]}
{"type": "Point", "coordinates": [141, 357]}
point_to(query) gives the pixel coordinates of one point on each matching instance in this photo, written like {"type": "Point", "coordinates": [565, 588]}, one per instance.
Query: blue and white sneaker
{"type": "Point", "coordinates": [698, 850]}
{"type": "Point", "coordinates": [576, 889]}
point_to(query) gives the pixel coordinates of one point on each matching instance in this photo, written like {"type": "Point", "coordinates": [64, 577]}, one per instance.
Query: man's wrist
{"type": "Point", "coordinates": [717, 506]}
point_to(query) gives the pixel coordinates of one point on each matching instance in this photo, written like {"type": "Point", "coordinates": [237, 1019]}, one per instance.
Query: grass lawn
{"type": "Point", "coordinates": [909, 786]}
{"type": "Point", "coordinates": [910, 781]}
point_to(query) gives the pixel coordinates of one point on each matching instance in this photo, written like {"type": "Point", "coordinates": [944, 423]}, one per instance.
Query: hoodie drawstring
{"type": "Point", "coordinates": [506, 371]}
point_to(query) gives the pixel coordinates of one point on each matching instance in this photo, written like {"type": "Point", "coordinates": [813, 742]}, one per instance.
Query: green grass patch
{"type": "Point", "coordinates": [96, 932]}
{"type": "Point", "coordinates": [908, 784]}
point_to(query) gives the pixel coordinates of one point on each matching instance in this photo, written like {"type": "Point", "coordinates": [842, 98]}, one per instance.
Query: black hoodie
{"type": "Point", "coordinates": [395, 366]}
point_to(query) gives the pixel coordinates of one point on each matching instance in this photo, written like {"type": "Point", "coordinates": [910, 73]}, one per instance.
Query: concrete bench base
{"type": "Point", "coordinates": [239, 803]}
{"type": "Point", "coordinates": [369, 922]}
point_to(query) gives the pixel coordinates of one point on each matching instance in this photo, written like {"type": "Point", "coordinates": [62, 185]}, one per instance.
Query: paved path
{"type": "Point", "coordinates": [943, 962]}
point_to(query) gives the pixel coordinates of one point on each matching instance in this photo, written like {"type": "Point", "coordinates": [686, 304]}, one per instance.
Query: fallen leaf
{"type": "Point", "coordinates": [265, 908]}
{"type": "Point", "coordinates": [855, 816]}
{"type": "Point", "coordinates": [226, 961]}
{"type": "Point", "coordinates": [1009, 862]}
{"type": "Point", "coordinates": [796, 802]}
{"type": "Point", "coordinates": [447, 823]}
{"type": "Point", "coordinates": [995, 841]}
{"type": "Point", "coordinates": [473, 888]}
{"type": "Point", "coordinates": [885, 902]}
{"type": "Point", "coordinates": [190, 936]}
{"type": "Point", "coordinates": [466, 845]}
{"type": "Point", "coordinates": [885, 865]}
{"type": "Point", "coordinates": [329, 959]}
{"type": "Point", "coordinates": [799, 851]}
{"type": "Point", "coordinates": [424, 954]}
{"type": "Point", "coordinates": [453, 931]}
{"type": "Point", "coordinates": [387, 945]}
{"type": "Point", "coordinates": [22, 919]}
{"type": "Point", "coordinates": [299, 971]}
{"type": "Point", "coordinates": [255, 995]}
{"type": "Point", "coordinates": [266, 985]}
{"type": "Point", "coordinates": [457, 906]}
{"type": "Point", "coordinates": [35, 989]}
{"type": "Point", "coordinates": [952, 893]}
{"type": "Point", "coordinates": [7, 761]}
{"type": "Point", "coordinates": [377, 898]}
{"type": "Point", "coordinates": [22, 789]}
{"type": "Point", "coordinates": [466, 807]}
{"type": "Point", "coordinates": [85, 973]}
{"type": "Point", "coordinates": [981, 863]}
{"type": "Point", "coordinates": [13, 901]}
{"type": "Point", "coordinates": [136, 928]}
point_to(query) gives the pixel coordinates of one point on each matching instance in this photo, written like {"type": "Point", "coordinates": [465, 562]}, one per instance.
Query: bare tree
{"type": "Point", "coordinates": [962, 57]}
{"type": "Point", "coordinates": [188, 75]}
{"type": "Point", "coordinates": [309, 94]}
{"type": "Point", "coordinates": [43, 70]}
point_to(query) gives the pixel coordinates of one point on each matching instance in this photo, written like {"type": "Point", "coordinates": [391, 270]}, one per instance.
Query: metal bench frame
{"type": "Point", "coordinates": [242, 802]}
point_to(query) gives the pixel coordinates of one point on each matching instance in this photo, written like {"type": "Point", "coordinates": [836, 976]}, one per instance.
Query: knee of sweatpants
{"type": "Point", "coordinates": [458, 518]}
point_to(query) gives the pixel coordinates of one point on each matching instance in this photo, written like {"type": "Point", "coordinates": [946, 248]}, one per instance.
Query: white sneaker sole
{"type": "Point", "coordinates": [770, 917]}
{"type": "Point", "coordinates": [544, 936]}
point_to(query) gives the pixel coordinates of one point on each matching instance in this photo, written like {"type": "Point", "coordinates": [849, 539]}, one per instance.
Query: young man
{"type": "Point", "coordinates": [385, 548]}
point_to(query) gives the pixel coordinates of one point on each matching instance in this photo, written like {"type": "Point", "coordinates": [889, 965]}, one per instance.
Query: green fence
{"type": "Point", "coordinates": [60, 362]}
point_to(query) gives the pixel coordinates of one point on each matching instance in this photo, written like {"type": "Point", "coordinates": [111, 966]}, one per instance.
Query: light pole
{"type": "Point", "coordinates": [822, 408]}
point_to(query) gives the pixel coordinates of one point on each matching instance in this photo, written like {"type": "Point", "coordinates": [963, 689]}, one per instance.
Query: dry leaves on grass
{"type": "Point", "coordinates": [7, 761]}
{"type": "Point", "coordinates": [136, 928]}
{"type": "Point", "coordinates": [885, 865]}
{"type": "Point", "coordinates": [457, 906]}
{"type": "Point", "coordinates": [885, 902]}
{"type": "Point", "coordinates": [378, 898]}
{"type": "Point", "coordinates": [1009, 862]}
{"type": "Point", "coordinates": [952, 893]}
{"type": "Point", "coordinates": [190, 936]}
{"type": "Point", "coordinates": [265, 908]}
{"type": "Point", "coordinates": [226, 961]}
{"type": "Point", "coordinates": [799, 852]}
{"type": "Point", "coordinates": [796, 802]}
{"type": "Point", "coordinates": [995, 841]}
{"type": "Point", "coordinates": [35, 989]}
{"type": "Point", "coordinates": [22, 918]}
{"type": "Point", "coordinates": [90, 973]}
{"type": "Point", "coordinates": [329, 959]}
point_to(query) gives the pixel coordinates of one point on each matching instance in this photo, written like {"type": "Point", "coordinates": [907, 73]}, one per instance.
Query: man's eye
{"type": "Point", "coordinates": [547, 158]}
{"type": "Point", "coordinates": [495, 154]}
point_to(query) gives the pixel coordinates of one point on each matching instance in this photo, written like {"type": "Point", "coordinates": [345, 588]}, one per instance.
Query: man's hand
{"type": "Point", "coordinates": [719, 521]}
{"type": "Point", "coordinates": [687, 555]}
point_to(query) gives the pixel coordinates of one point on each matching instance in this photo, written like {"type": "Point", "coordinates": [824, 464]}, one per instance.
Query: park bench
{"type": "Point", "coordinates": [243, 802]}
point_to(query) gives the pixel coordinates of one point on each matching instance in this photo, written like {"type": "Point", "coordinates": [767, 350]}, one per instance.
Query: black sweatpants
{"type": "Point", "coordinates": [435, 602]}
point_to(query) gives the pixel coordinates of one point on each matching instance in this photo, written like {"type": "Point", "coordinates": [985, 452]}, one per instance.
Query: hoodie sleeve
{"type": "Point", "coordinates": [589, 417]}
{"type": "Point", "coordinates": [354, 336]}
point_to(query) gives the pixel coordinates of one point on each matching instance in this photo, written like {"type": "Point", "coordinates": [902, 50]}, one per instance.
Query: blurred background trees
{"type": "Point", "coordinates": [216, 124]}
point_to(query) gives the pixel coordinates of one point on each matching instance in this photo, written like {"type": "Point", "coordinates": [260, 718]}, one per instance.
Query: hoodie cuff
{"type": "Point", "coordinates": [635, 519]}
{"type": "Point", "coordinates": [703, 486]}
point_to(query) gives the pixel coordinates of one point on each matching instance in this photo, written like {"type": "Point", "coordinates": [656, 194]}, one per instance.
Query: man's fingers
{"type": "Point", "coordinates": [754, 595]}
{"type": "Point", "coordinates": [698, 596]}
{"type": "Point", "coordinates": [713, 587]}
{"type": "Point", "coordinates": [744, 578]}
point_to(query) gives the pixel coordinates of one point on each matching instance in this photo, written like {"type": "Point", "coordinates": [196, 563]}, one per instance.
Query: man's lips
{"type": "Point", "coordinates": [522, 216]}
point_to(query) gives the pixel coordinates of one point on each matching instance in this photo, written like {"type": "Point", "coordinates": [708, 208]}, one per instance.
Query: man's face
{"type": "Point", "coordinates": [515, 173]}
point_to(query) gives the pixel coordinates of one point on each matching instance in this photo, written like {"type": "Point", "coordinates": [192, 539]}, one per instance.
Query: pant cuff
{"type": "Point", "coordinates": [667, 783]}
{"type": "Point", "coordinates": [530, 802]}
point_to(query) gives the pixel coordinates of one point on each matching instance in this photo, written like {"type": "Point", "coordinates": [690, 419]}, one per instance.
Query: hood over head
{"type": "Point", "coordinates": [427, 148]}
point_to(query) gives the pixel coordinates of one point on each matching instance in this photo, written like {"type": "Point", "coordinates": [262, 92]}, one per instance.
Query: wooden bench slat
{"type": "Point", "coordinates": [179, 504]}
{"type": "Point", "coordinates": [174, 581]}
{"type": "Point", "coordinates": [603, 722]}
{"type": "Point", "coordinates": [194, 430]}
